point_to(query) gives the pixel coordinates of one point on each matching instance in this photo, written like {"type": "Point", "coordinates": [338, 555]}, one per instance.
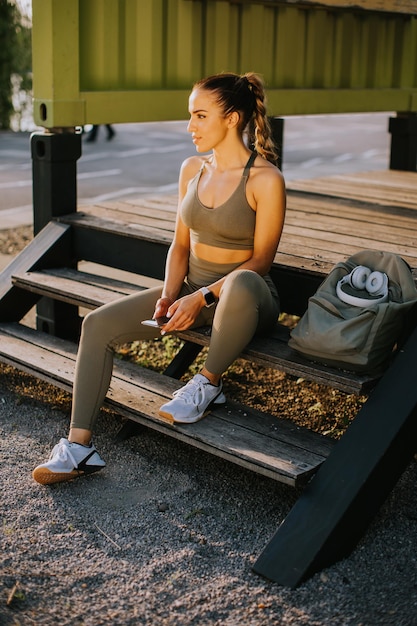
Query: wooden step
{"type": "Point", "coordinates": [260, 442]}
{"type": "Point", "coordinates": [89, 291]}
{"type": "Point", "coordinates": [390, 188]}
{"type": "Point", "coordinates": [75, 287]}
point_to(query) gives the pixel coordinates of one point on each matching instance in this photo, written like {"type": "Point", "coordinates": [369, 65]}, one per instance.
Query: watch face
{"type": "Point", "coordinates": [209, 298]}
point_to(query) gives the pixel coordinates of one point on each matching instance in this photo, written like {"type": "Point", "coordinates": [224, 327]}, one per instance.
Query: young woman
{"type": "Point", "coordinates": [229, 223]}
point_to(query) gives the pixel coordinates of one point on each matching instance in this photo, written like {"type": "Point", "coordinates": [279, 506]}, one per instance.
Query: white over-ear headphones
{"type": "Point", "coordinates": [361, 278]}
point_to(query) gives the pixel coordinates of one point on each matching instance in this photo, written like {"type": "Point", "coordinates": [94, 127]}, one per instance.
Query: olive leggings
{"type": "Point", "coordinates": [245, 307]}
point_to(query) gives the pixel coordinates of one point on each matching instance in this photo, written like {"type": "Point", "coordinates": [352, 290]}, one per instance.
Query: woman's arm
{"type": "Point", "coordinates": [268, 191]}
{"type": "Point", "coordinates": [176, 267]}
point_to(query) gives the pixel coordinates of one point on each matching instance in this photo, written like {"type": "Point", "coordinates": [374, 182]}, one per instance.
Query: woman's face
{"type": "Point", "coordinates": [207, 124]}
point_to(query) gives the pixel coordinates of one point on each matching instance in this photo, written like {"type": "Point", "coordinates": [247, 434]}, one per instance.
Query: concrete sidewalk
{"type": "Point", "coordinates": [13, 218]}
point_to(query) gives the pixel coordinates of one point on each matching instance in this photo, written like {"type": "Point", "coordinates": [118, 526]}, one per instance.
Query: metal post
{"type": "Point", "coordinates": [277, 127]}
{"type": "Point", "coordinates": [403, 129]}
{"type": "Point", "coordinates": [54, 168]}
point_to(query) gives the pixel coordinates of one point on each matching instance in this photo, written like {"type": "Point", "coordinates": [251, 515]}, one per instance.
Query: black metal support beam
{"type": "Point", "coordinates": [294, 288]}
{"type": "Point", "coordinates": [182, 361]}
{"type": "Point", "coordinates": [54, 170]}
{"type": "Point", "coordinates": [403, 129]}
{"type": "Point", "coordinates": [277, 127]}
{"type": "Point", "coordinates": [339, 503]}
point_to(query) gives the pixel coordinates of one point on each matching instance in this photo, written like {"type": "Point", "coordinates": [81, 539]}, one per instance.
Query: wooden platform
{"type": "Point", "coordinates": [390, 188]}
{"type": "Point", "coordinates": [327, 220]}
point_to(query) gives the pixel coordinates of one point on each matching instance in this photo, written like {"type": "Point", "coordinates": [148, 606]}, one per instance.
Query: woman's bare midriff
{"type": "Point", "coordinates": [213, 254]}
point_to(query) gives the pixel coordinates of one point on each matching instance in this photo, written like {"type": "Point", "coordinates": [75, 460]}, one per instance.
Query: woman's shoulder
{"type": "Point", "coordinates": [189, 170]}
{"type": "Point", "coordinates": [191, 166]}
{"type": "Point", "coordinates": [264, 171]}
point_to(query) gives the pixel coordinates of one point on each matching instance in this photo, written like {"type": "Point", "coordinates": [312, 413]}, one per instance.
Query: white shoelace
{"type": "Point", "coordinates": [63, 453]}
{"type": "Point", "coordinates": [192, 392]}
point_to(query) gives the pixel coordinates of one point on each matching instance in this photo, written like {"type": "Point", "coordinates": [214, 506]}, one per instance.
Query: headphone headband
{"type": "Point", "coordinates": [361, 279]}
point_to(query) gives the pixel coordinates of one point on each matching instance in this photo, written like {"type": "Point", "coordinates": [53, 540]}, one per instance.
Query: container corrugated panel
{"type": "Point", "coordinates": [98, 61]}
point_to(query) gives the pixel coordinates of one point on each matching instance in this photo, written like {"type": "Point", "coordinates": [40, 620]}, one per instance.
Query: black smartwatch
{"type": "Point", "coordinates": [209, 296]}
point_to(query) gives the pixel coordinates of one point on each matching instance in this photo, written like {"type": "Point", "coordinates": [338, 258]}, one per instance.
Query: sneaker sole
{"type": "Point", "coordinates": [171, 418]}
{"type": "Point", "coordinates": [44, 476]}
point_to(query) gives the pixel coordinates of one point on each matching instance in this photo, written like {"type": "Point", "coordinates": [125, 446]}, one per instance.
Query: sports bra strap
{"type": "Point", "coordinates": [249, 164]}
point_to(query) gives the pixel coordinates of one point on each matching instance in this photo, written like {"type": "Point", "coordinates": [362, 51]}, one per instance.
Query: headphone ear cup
{"type": "Point", "coordinates": [359, 277]}
{"type": "Point", "coordinates": [377, 283]}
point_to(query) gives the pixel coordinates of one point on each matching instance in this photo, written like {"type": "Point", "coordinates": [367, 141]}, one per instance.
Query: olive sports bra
{"type": "Point", "coordinates": [230, 225]}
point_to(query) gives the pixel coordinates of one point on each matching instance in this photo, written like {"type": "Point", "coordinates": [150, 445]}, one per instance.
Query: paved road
{"type": "Point", "coordinates": [144, 159]}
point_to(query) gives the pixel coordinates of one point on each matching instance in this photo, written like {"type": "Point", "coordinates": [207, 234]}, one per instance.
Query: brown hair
{"type": "Point", "coordinates": [245, 94]}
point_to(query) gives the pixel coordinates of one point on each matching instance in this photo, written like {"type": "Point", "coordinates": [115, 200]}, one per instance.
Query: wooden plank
{"type": "Point", "coordinates": [327, 202]}
{"type": "Point", "coordinates": [316, 207]}
{"type": "Point", "coordinates": [257, 441]}
{"type": "Point", "coordinates": [340, 242]}
{"type": "Point", "coordinates": [50, 246]}
{"type": "Point", "coordinates": [383, 227]}
{"type": "Point", "coordinates": [129, 230]}
{"type": "Point", "coordinates": [113, 285]}
{"type": "Point", "coordinates": [310, 254]}
{"type": "Point", "coordinates": [166, 202]}
{"type": "Point", "coordinates": [140, 217]}
{"type": "Point", "coordinates": [385, 188]}
{"type": "Point", "coordinates": [161, 207]}
{"type": "Point", "coordinates": [78, 288]}
{"type": "Point", "coordinates": [153, 235]}
{"type": "Point", "coordinates": [347, 243]}
{"type": "Point", "coordinates": [340, 224]}
{"type": "Point", "coordinates": [275, 353]}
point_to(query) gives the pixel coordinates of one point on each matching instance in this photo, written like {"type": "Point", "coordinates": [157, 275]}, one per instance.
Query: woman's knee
{"type": "Point", "coordinates": [94, 324]}
{"type": "Point", "coordinates": [243, 284]}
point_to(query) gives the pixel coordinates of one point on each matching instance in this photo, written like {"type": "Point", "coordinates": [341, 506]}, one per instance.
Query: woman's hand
{"type": "Point", "coordinates": [183, 312]}
{"type": "Point", "coordinates": [161, 307]}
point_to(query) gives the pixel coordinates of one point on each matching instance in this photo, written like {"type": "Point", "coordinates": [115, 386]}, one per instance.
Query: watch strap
{"type": "Point", "coordinates": [208, 295]}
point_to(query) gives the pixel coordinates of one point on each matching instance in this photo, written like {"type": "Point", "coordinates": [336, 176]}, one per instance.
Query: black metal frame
{"type": "Point", "coordinates": [403, 129]}
{"type": "Point", "coordinates": [339, 503]}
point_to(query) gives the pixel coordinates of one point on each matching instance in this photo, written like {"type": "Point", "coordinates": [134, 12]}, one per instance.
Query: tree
{"type": "Point", "coordinates": [15, 56]}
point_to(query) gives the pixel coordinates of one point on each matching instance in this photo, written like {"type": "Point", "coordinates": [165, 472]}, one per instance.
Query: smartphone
{"type": "Point", "coordinates": [156, 323]}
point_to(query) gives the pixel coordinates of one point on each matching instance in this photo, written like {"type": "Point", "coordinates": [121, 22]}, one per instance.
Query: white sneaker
{"type": "Point", "coordinates": [193, 401]}
{"type": "Point", "coordinates": [67, 461]}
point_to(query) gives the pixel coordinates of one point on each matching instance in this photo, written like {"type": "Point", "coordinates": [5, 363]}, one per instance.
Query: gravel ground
{"type": "Point", "coordinates": [167, 535]}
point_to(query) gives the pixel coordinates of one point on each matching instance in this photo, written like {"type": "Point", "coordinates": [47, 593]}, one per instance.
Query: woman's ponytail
{"type": "Point", "coordinates": [260, 134]}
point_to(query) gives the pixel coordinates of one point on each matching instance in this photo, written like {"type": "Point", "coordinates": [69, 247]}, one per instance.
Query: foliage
{"type": "Point", "coordinates": [15, 57]}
